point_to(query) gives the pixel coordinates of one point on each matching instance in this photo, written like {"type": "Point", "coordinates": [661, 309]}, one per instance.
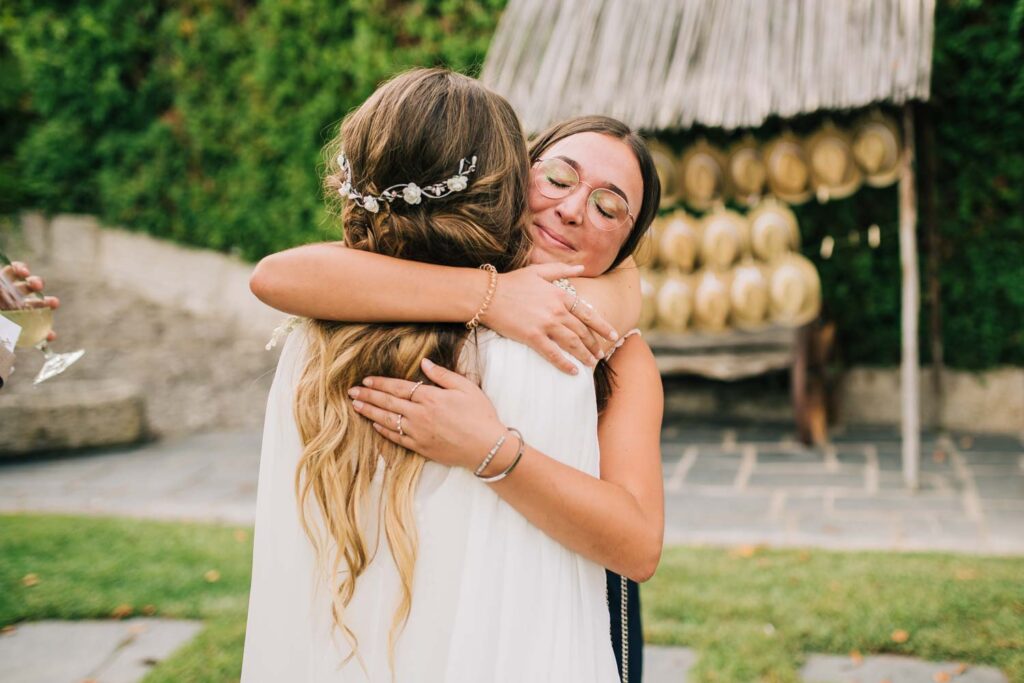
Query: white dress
{"type": "Point", "coordinates": [494, 598]}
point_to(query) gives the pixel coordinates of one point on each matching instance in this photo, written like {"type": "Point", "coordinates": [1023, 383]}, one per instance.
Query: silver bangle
{"type": "Point", "coordinates": [508, 470]}
{"type": "Point", "coordinates": [490, 455]}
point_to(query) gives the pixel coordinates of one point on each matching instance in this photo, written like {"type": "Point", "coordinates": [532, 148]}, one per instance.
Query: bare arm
{"type": "Point", "coordinates": [616, 520]}
{"type": "Point", "coordinates": [331, 282]}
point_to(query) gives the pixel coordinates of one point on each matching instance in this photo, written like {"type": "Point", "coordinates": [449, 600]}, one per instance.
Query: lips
{"type": "Point", "coordinates": [553, 239]}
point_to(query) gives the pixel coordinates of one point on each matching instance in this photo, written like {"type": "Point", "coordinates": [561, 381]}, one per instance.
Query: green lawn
{"type": "Point", "coordinates": [750, 614]}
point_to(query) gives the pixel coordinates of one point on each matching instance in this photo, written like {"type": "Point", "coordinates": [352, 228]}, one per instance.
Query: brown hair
{"type": "Point", "coordinates": [414, 128]}
{"type": "Point", "coordinates": [603, 374]}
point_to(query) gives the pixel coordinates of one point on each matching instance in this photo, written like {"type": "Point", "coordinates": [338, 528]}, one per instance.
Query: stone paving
{"type": "Point", "coordinates": [98, 651]}
{"type": "Point", "coordinates": [724, 485]}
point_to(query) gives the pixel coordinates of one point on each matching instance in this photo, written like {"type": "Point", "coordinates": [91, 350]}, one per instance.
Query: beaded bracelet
{"type": "Point", "coordinates": [475, 321]}
{"type": "Point", "coordinates": [508, 470]}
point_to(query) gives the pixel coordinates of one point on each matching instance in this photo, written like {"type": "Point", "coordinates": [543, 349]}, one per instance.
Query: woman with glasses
{"type": "Point", "coordinates": [593, 192]}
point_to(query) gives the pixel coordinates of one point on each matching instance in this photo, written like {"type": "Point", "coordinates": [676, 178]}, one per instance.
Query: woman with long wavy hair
{"type": "Point", "coordinates": [370, 562]}
{"type": "Point", "coordinates": [613, 517]}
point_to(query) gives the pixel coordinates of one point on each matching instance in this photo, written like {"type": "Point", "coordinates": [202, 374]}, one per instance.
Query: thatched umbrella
{"type": "Point", "coordinates": [671, 64]}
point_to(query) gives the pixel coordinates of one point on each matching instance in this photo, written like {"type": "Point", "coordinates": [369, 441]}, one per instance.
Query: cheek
{"type": "Point", "coordinates": [601, 248]}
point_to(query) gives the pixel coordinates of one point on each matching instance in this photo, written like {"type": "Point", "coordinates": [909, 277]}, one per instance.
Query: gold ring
{"type": "Point", "coordinates": [574, 302]}
{"type": "Point", "coordinates": [418, 385]}
{"type": "Point", "coordinates": [400, 432]}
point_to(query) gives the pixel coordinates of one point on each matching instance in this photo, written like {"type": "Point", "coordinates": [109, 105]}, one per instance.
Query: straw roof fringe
{"type": "Point", "coordinates": [664, 64]}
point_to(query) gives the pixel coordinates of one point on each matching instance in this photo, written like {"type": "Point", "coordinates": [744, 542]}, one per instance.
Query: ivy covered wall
{"type": "Point", "coordinates": [202, 121]}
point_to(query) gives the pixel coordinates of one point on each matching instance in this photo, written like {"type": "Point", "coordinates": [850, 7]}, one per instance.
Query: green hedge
{"type": "Point", "coordinates": [202, 121]}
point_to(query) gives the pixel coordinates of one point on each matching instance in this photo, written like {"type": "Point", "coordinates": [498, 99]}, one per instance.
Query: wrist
{"type": "Point", "coordinates": [489, 438]}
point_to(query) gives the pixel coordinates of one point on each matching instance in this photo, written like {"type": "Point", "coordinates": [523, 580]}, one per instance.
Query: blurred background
{"type": "Point", "coordinates": [151, 152]}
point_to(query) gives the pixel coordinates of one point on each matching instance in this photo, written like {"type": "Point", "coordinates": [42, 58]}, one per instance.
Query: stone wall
{"type": "Point", "coordinates": [183, 325]}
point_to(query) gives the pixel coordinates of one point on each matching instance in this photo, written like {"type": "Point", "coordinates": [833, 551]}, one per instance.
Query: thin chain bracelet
{"type": "Point", "coordinates": [475, 320]}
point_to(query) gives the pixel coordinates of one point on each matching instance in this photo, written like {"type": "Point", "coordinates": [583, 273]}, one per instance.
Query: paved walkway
{"type": "Point", "coordinates": [724, 485]}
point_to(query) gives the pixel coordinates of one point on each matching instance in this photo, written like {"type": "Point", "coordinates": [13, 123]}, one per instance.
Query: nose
{"type": "Point", "coordinates": [573, 207]}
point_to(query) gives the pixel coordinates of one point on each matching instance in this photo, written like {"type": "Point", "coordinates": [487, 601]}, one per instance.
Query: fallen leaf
{"type": "Point", "coordinates": [7, 630]}
{"type": "Point", "coordinates": [29, 580]}
{"type": "Point", "coordinates": [938, 455]}
{"type": "Point", "coordinates": [744, 551]}
{"type": "Point", "coordinates": [941, 677]}
{"type": "Point", "coordinates": [900, 636]}
{"type": "Point", "coordinates": [137, 629]}
{"type": "Point", "coordinates": [241, 536]}
{"type": "Point", "coordinates": [122, 611]}
{"type": "Point", "coordinates": [885, 680]}
{"type": "Point", "coordinates": [965, 574]}
{"type": "Point", "coordinates": [149, 610]}
{"type": "Point", "coordinates": [856, 657]}
{"type": "Point", "coordinates": [835, 586]}
{"type": "Point", "coordinates": [212, 576]}
{"type": "Point", "coordinates": [966, 441]}
{"type": "Point", "coordinates": [89, 680]}
{"type": "Point", "coordinates": [960, 669]}
{"type": "Point", "coordinates": [804, 556]}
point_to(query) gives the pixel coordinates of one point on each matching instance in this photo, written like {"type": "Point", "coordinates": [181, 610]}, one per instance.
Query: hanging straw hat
{"type": "Point", "coordinates": [748, 296]}
{"type": "Point", "coordinates": [788, 173]}
{"type": "Point", "coordinates": [834, 174]}
{"type": "Point", "coordinates": [711, 301]}
{"type": "Point", "coordinates": [675, 301]}
{"type": "Point", "coordinates": [702, 175]}
{"type": "Point", "coordinates": [666, 164]}
{"type": "Point", "coordinates": [876, 149]}
{"type": "Point", "coordinates": [773, 230]}
{"type": "Point", "coordinates": [722, 238]}
{"type": "Point", "coordinates": [648, 300]}
{"type": "Point", "coordinates": [746, 171]}
{"type": "Point", "coordinates": [679, 241]}
{"type": "Point", "coordinates": [794, 291]}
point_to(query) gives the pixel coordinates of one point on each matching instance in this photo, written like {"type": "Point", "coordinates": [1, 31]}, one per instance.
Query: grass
{"type": "Point", "coordinates": [751, 613]}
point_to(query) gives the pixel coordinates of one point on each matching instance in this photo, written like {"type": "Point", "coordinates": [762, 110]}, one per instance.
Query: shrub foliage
{"type": "Point", "coordinates": [202, 121]}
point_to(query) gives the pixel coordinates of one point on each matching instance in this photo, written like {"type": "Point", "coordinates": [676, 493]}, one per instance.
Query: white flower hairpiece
{"type": "Point", "coordinates": [410, 193]}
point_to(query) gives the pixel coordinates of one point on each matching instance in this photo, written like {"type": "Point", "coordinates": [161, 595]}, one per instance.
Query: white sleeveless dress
{"type": "Point", "coordinates": [494, 599]}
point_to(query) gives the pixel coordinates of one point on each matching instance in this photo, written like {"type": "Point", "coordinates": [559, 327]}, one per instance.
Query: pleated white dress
{"type": "Point", "coordinates": [494, 598]}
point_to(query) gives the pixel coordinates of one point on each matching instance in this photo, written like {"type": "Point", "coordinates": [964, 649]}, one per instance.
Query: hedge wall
{"type": "Point", "coordinates": [202, 121]}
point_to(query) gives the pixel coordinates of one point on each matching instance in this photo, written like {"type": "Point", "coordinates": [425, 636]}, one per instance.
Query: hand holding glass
{"type": "Point", "coordinates": [35, 320]}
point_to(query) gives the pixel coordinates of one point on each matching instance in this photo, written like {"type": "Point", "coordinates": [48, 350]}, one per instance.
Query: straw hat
{"type": "Point", "coordinates": [794, 291]}
{"type": "Point", "coordinates": [748, 295]}
{"type": "Point", "coordinates": [648, 305]}
{"type": "Point", "coordinates": [746, 171]}
{"type": "Point", "coordinates": [773, 230]}
{"type": "Point", "coordinates": [711, 301]}
{"type": "Point", "coordinates": [666, 164]}
{"type": "Point", "coordinates": [679, 241]}
{"type": "Point", "coordinates": [876, 149]}
{"type": "Point", "coordinates": [702, 175]}
{"type": "Point", "coordinates": [722, 238]}
{"type": "Point", "coordinates": [788, 173]}
{"type": "Point", "coordinates": [675, 302]}
{"type": "Point", "coordinates": [834, 174]}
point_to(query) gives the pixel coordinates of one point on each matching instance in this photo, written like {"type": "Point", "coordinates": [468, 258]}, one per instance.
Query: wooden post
{"type": "Point", "coordinates": [909, 381]}
{"type": "Point", "coordinates": [926, 185]}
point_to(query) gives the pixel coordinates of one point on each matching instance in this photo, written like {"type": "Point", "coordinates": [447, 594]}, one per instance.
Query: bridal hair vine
{"type": "Point", "coordinates": [410, 193]}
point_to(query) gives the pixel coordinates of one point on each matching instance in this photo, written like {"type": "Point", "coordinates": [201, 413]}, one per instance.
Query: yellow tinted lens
{"type": "Point", "coordinates": [557, 178]}
{"type": "Point", "coordinates": [607, 209]}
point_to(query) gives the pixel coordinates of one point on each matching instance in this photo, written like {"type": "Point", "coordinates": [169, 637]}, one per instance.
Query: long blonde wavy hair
{"type": "Point", "coordinates": [414, 128]}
